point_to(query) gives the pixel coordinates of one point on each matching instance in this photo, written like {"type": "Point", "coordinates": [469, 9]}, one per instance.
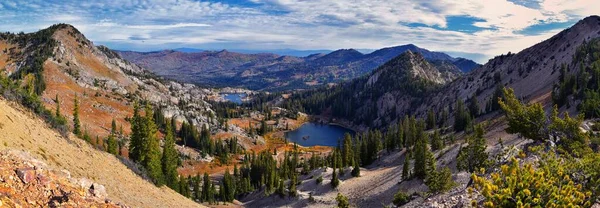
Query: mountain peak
{"type": "Point", "coordinates": [416, 67]}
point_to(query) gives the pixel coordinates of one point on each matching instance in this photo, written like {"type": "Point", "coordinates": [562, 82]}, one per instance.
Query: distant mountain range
{"type": "Point", "coordinates": [388, 94]}
{"type": "Point", "coordinates": [272, 71]}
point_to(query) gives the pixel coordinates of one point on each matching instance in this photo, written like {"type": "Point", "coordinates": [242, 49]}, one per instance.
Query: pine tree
{"type": "Point", "coordinates": [111, 142]}
{"type": "Point", "coordinates": [87, 137]}
{"type": "Point", "coordinates": [474, 106]}
{"type": "Point", "coordinates": [76, 123]}
{"type": "Point", "coordinates": [184, 187]}
{"type": "Point", "coordinates": [57, 113]}
{"type": "Point", "coordinates": [292, 192]}
{"type": "Point", "coordinates": [263, 128]}
{"type": "Point", "coordinates": [528, 120]}
{"type": "Point", "coordinates": [206, 189]}
{"type": "Point", "coordinates": [335, 182]}
{"type": "Point", "coordinates": [228, 187]}
{"type": "Point", "coordinates": [169, 159]}
{"type": "Point", "coordinates": [437, 181]}
{"type": "Point", "coordinates": [444, 118]}
{"type": "Point", "coordinates": [152, 152]}
{"type": "Point", "coordinates": [420, 169]}
{"type": "Point", "coordinates": [356, 170]}
{"type": "Point", "coordinates": [430, 119]}
{"type": "Point", "coordinates": [281, 189]}
{"type": "Point", "coordinates": [406, 167]}
{"type": "Point", "coordinates": [197, 191]}
{"type": "Point", "coordinates": [436, 141]}
{"type": "Point", "coordinates": [211, 194]}
{"type": "Point", "coordinates": [460, 117]}
{"type": "Point", "coordinates": [137, 140]}
{"type": "Point", "coordinates": [347, 157]}
{"type": "Point", "coordinates": [473, 157]}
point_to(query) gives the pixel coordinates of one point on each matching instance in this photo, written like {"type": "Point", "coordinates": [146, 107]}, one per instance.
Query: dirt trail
{"type": "Point", "coordinates": [21, 130]}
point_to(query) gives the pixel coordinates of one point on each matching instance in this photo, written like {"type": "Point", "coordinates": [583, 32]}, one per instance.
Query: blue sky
{"type": "Point", "coordinates": [471, 28]}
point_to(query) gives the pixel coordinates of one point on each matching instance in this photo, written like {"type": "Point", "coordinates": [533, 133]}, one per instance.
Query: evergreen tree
{"type": "Point", "coordinates": [206, 188]}
{"type": "Point", "coordinates": [281, 189]}
{"type": "Point", "coordinates": [431, 123]}
{"type": "Point", "coordinates": [228, 187]}
{"type": "Point", "coordinates": [461, 117]}
{"type": "Point", "coordinates": [169, 158]}
{"type": "Point", "coordinates": [111, 142]}
{"type": "Point", "coordinates": [356, 169]}
{"type": "Point", "coordinates": [347, 157]}
{"type": "Point", "coordinates": [137, 141]}
{"type": "Point", "coordinates": [528, 120]}
{"type": "Point", "coordinates": [440, 181]}
{"type": "Point", "coordinates": [473, 157]}
{"type": "Point", "coordinates": [421, 150]}
{"type": "Point", "coordinates": [335, 182]}
{"type": "Point", "coordinates": [444, 118]}
{"type": "Point", "coordinates": [498, 95]}
{"type": "Point", "coordinates": [292, 192]}
{"type": "Point", "coordinates": [87, 137]}
{"type": "Point", "coordinates": [152, 152]}
{"type": "Point", "coordinates": [184, 187]}
{"type": "Point", "coordinates": [436, 141]}
{"type": "Point", "coordinates": [57, 113]}
{"type": "Point", "coordinates": [406, 167]}
{"type": "Point", "coordinates": [263, 127]}
{"type": "Point", "coordinates": [222, 194]}
{"type": "Point", "coordinates": [474, 106]}
{"type": "Point", "coordinates": [197, 191]}
{"type": "Point", "coordinates": [437, 181]}
{"type": "Point", "coordinates": [76, 123]}
{"type": "Point", "coordinates": [211, 194]}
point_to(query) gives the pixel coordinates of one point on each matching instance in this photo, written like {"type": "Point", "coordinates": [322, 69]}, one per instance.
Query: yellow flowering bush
{"type": "Point", "coordinates": [517, 185]}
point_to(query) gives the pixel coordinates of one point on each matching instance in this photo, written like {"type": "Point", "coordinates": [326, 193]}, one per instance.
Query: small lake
{"type": "Point", "coordinates": [312, 134]}
{"type": "Point", "coordinates": [235, 97]}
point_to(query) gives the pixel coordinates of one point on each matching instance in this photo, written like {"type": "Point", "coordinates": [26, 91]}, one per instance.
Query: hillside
{"type": "Point", "coordinates": [565, 66]}
{"type": "Point", "coordinates": [273, 72]}
{"type": "Point", "coordinates": [371, 98]}
{"type": "Point", "coordinates": [105, 84]}
{"type": "Point", "coordinates": [21, 130]}
{"type": "Point", "coordinates": [533, 73]}
{"type": "Point", "coordinates": [53, 67]}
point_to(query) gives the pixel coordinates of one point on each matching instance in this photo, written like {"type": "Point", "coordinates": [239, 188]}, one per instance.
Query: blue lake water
{"type": "Point", "coordinates": [312, 134]}
{"type": "Point", "coordinates": [234, 97]}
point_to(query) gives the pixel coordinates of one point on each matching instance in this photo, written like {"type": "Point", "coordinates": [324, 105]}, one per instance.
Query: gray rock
{"type": "Point", "coordinates": [26, 174]}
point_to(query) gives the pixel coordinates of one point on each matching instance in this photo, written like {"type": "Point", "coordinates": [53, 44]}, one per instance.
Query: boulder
{"type": "Point", "coordinates": [26, 174]}
{"type": "Point", "coordinates": [98, 190]}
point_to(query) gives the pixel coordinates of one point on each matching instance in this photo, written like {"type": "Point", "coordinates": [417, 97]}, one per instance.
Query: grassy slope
{"type": "Point", "coordinates": [20, 130]}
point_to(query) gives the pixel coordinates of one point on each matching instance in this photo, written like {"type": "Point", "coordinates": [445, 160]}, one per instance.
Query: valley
{"type": "Point", "coordinates": [401, 126]}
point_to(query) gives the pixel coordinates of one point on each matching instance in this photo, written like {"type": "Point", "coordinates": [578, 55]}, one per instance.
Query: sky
{"type": "Point", "coordinates": [475, 29]}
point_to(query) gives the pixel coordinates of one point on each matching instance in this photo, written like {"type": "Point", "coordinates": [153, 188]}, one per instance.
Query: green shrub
{"type": "Point", "coordinates": [342, 201]}
{"type": "Point", "coordinates": [401, 198]}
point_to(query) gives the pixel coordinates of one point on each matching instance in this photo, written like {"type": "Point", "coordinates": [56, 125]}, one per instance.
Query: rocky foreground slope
{"type": "Point", "coordinates": [29, 182]}
{"type": "Point", "coordinates": [21, 130]}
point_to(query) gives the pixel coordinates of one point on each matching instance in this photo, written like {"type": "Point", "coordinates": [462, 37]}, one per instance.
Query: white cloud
{"type": "Point", "coordinates": [314, 24]}
{"type": "Point", "coordinates": [575, 8]}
